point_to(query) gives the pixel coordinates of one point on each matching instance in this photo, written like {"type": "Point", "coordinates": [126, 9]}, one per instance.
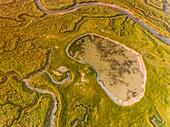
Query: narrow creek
{"type": "Point", "coordinates": [74, 8]}
{"type": "Point", "coordinates": [44, 91]}
{"type": "Point", "coordinates": [113, 6]}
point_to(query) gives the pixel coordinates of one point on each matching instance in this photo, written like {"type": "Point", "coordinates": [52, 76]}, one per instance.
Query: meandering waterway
{"type": "Point", "coordinates": [74, 8]}
{"type": "Point", "coordinates": [44, 91]}
{"type": "Point", "coordinates": [114, 6]}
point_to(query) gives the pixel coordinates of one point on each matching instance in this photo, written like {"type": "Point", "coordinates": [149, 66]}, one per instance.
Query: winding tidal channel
{"type": "Point", "coordinates": [113, 6]}
{"type": "Point", "coordinates": [43, 91]}
{"type": "Point", "coordinates": [71, 9]}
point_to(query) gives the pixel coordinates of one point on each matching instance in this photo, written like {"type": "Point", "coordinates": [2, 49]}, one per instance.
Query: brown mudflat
{"type": "Point", "coordinates": [120, 69]}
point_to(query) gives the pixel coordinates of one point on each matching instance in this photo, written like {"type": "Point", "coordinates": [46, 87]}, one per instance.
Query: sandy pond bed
{"type": "Point", "coordinates": [121, 71]}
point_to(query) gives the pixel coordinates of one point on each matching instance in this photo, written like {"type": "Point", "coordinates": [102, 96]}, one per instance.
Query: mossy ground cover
{"type": "Point", "coordinates": [79, 104]}
{"type": "Point", "coordinates": [57, 5]}
{"type": "Point", "coordinates": [21, 106]}
{"type": "Point", "coordinates": [152, 15]}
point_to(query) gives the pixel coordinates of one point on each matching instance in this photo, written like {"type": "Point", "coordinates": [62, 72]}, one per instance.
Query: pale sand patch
{"type": "Point", "coordinates": [62, 69]}
{"type": "Point", "coordinates": [57, 73]}
{"type": "Point", "coordinates": [50, 36]}
{"type": "Point", "coordinates": [83, 77]}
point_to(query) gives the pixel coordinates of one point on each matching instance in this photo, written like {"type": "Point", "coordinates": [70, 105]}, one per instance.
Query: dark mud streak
{"type": "Point", "coordinates": [137, 8]}
{"type": "Point", "coordinates": [112, 19]}
{"type": "Point", "coordinates": [84, 115]}
{"type": "Point", "coordinates": [148, 15]}
{"type": "Point", "coordinates": [46, 122]}
{"type": "Point", "coordinates": [35, 101]}
{"type": "Point", "coordinates": [75, 25]}
{"type": "Point", "coordinates": [20, 19]}
{"type": "Point", "coordinates": [19, 113]}
{"type": "Point", "coordinates": [146, 2]}
{"type": "Point", "coordinates": [44, 70]}
{"type": "Point", "coordinates": [25, 81]}
{"type": "Point", "coordinates": [4, 78]}
{"type": "Point", "coordinates": [18, 42]}
{"type": "Point", "coordinates": [111, 16]}
{"type": "Point", "coordinates": [74, 2]}
{"type": "Point", "coordinates": [83, 17]}
{"type": "Point", "coordinates": [168, 83]}
{"type": "Point", "coordinates": [40, 71]}
{"type": "Point", "coordinates": [43, 15]}
{"type": "Point", "coordinates": [123, 26]}
{"type": "Point", "coordinates": [154, 118]}
{"type": "Point", "coordinates": [113, 6]}
{"type": "Point", "coordinates": [20, 16]}
{"type": "Point", "coordinates": [21, 109]}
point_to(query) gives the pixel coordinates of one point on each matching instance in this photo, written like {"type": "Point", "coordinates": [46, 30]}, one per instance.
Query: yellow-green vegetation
{"type": "Point", "coordinates": [43, 81]}
{"type": "Point", "coordinates": [58, 75]}
{"type": "Point", "coordinates": [20, 106]}
{"type": "Point", "coordinates": [38, 114]}
{"type": "Point", "coordinates": [147, 10]}
{"type": "Point", "coordinates": [27, 34]}
{"type": "Point", "coordinates": [23, 58]}
{"type": "Point", "coordinates": [57, 4]}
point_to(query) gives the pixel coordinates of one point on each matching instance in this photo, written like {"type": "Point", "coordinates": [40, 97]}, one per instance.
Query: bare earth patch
{"type": "Point", "coordinates": [121, 71]}
{"type": "Point", "coordinates": [62, 69]}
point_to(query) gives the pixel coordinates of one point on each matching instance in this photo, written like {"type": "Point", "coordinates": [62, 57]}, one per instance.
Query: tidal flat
{"type": "Point", "coordinates": [119, 69]}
